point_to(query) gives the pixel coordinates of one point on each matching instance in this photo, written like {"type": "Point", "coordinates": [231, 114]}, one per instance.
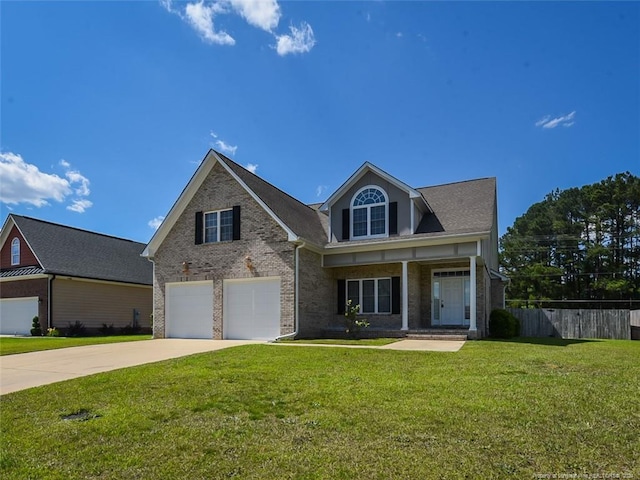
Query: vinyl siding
{"type": "Point", "coordinates": [95, 303]}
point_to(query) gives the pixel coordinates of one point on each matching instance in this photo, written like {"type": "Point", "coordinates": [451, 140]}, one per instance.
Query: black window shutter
{"type": "Point", "coordinates": [199, 236]}
{"type": "Point", "coordinates": [342, 296]}
{"type": "Point", "coordinates": [393, 218]}
{"type": "Point", "coordinates": [395, 294]}
{"type": "Point", "coordinates": [236, 222]}
{"type": "Point", "coordinates": [345, 224]}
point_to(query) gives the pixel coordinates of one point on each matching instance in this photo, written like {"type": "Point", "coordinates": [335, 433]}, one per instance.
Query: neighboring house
{"type": "Point", "coordinates": [64, 274]}
{"type": "Point", "coordinates": [238, 258]}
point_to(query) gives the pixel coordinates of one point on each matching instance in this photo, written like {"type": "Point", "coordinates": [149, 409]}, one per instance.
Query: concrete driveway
{"type": "Point", "coordinates": [26, 370]}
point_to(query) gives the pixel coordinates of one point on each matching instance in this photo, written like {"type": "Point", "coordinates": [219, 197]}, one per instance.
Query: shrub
{"type": "Point", "coordinates": [76, 329]}
{"type": "Point", "coordinates": [53, 332]}
{"type": "Point", "coordinates": [503, 324]}
{"type": "Point", "coordinates": [36, 329]}
{"type": "Point", "coordinates": [130, 329]}
{"type": "Point", "coordinates": [353, 324]}
{"type": "Point", "coordinates": [107, 329]}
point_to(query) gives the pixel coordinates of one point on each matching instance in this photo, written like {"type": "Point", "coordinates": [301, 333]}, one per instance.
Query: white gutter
{"type": "Point", "coordinates": [297, 295]}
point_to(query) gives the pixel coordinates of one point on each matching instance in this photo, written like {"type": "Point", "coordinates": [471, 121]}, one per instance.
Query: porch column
{"type": "Point", "coordinates": [405, 296]}
{"type": "Point", "coordinates": [472, 294]}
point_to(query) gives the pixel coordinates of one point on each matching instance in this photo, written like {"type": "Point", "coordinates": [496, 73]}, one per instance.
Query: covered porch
{"type": "Point", "coordinates": [418, 295]}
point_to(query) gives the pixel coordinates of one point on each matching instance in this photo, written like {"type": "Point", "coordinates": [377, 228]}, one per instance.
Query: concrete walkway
{"type": "Point", "coordinates": [26, 370]}
{"type": "Point", "coordinates": [415, 345]}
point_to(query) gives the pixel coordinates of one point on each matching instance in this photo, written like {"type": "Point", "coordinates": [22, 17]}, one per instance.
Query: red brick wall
{"type": "Point", "coordinates": [29, 288]}
{"type": "Point", "coordinates": [27, 258]}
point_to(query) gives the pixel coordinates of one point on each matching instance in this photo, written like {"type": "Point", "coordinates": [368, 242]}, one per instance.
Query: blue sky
{"type": "Point", "coordinates": [108, 107]}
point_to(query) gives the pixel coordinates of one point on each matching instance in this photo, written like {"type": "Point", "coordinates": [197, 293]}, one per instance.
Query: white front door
{"type": "Point", "coordinates": [452, 301]}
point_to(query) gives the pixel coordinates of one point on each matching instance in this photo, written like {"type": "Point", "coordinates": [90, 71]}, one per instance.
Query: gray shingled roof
{"type": "Point", "coordinates": [462, 207]}
{"type": "Point", "coordinates": [300, 218]}
{"type": "Point", "coordinates": [70, 251]}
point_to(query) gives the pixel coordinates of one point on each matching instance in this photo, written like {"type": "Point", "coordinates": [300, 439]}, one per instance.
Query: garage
{"type": "Point", "coordinates": [251, 309]}
{"type": "Point", "coordinates": [16, 315]}
{"type": "Point", "coordinates": [189, 310]}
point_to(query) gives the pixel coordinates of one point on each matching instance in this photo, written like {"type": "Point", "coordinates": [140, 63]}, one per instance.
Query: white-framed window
{"type": "Point", "coordinates": [370, 213]}
{"type": "Point", "coordinates": [15, 251]}
{"type": "Point", "coordinates": [372, 294]}
{"type": "Point", "coordinates": [218, 226]}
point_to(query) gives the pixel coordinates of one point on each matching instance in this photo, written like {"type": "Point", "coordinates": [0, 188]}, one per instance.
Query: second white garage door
{"type": "Point", "coordinates": [251, 309]}
{"type": "Point", "coordinates": [189, 310]}
{"type": "Point", "coordinates": [16, 315]}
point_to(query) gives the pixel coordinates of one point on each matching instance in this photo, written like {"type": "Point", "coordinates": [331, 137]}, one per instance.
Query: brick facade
{"type": "Point", "coordinates": [27, 258]}
{"type": "Point", "coordinates": [262, 240]}
{"type": "Point", "coordinates": [37, 287]}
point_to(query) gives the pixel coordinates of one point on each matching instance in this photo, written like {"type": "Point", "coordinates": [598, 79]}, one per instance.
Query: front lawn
{"type": "Point", "coordinates": [492, 410]}
{"type": "Point", "coordinates": [11, 345]}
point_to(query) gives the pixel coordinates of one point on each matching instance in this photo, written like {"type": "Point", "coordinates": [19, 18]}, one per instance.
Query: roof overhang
{"type": "Point", "coordinates": [358, 174]}
{"type": "Point", "coordinates": [408, 242]}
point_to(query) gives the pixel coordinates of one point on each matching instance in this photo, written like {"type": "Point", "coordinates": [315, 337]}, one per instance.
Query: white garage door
{"type": "Point", "coordinates": [189, 310]}
{"type": "Point", "coordinates": [16, 315]}
{"type": "Point", "coordinates": [251, 309]}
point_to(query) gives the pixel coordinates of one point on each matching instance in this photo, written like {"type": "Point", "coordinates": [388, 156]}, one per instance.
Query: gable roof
{"type": "Point", "coordinates": [303, 220]}
{"type": "Point", "coordinates": [459, 208]}
{"type": "Point", "coordinates": [299, 221]}
{"type": "Point", "coordinates": [363, 170]}
{"type": "Point", "coordinates": [64, 250]}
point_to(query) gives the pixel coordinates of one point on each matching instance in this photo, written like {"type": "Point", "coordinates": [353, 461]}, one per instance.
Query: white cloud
{"type": "Point", "coordinates": [213, 134]}
{"type": "Point", "coordinates": [226, 148]}
{"type": "Point", "coordinates": [25, 183]}
{"type": "Point", "coordinates": [320, 189]}
{"type": "Point", "coordinates": [564, 120]}
{"type": "Point", "coordinates": [76, 177]}
{"type": "Point", "coordinates": [301, 40]}
{"type": "Point", "coordinates": [80, 205]}
{"type": "Point", "coordinates": [200, 17]}
{"type": "Point", "coordinates": [155, 222]}
{"type": "Point", "coordinates": [264, 14]}
{"type": "Point", "coordinates": [399, 34]}
{"type": "Point", "coordinates": [252, 167]}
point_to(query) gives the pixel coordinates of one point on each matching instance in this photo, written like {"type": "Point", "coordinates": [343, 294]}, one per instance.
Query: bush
{"type": "Point", "coordinates": [76, 329]}
{"type": "Point", "coordinates": [53, 332]}
{"type": "Point", "coordinates": [503, 324]}
{"type": "Point", "coordinates": [36, 329]}
{"type": "Point", "coordinates": [130, 329]}
{"type": "Point", "coordinates": [107, 329]}
{"type": "Point", "coordinates": [352, 322]}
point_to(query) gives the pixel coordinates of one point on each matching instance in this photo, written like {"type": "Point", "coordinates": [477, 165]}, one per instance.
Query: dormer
{"type": "Point", "coordinates": [372, 204]}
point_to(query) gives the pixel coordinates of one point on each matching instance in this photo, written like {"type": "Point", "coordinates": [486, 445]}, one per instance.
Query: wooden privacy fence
{"type": "Point", "coordinates": [574, 323]}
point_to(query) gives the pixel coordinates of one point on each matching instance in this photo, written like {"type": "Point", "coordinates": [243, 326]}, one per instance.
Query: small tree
{"type": "Point", "coordinates": [36, 329]}
{"type": "Point", "coordinates": [353, 324]}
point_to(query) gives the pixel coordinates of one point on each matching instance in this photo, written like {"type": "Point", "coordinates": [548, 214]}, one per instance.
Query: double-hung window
{"type": "Point", "coordinates": [218, 226]}
{"type": "Point", "coordinates": [369, 213]}
{"type": "Point", "coordinates": [372, 294]}
{"type": "Point", "coordinates": [15, 251]}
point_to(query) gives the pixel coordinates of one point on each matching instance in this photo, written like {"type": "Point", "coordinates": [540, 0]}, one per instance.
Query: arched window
{"type": "Point", "coordinates": [369, 213]}
{"type": "Point", "coordinates": [15, 251]}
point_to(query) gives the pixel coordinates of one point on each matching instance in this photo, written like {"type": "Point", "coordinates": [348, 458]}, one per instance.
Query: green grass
{"type": "Point", "coordinates": [369, 342]}
{"type": "Point", "coordinates": [495, 409]}
{"type": "Point", "coordinates": [12, 345]}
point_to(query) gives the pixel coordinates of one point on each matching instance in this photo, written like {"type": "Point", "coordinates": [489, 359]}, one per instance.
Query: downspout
{"type": "Point", "coordinates": [49, 301]}
{"type": "Point", "coordinates": [297, 295]}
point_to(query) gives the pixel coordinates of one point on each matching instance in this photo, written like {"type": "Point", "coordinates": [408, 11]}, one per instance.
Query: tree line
{"type": "Point", "coordinates": [577, 244]}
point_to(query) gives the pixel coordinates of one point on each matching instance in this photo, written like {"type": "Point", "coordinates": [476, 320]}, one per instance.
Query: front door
{"type": "Point", "coordinates": [451, 303]}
